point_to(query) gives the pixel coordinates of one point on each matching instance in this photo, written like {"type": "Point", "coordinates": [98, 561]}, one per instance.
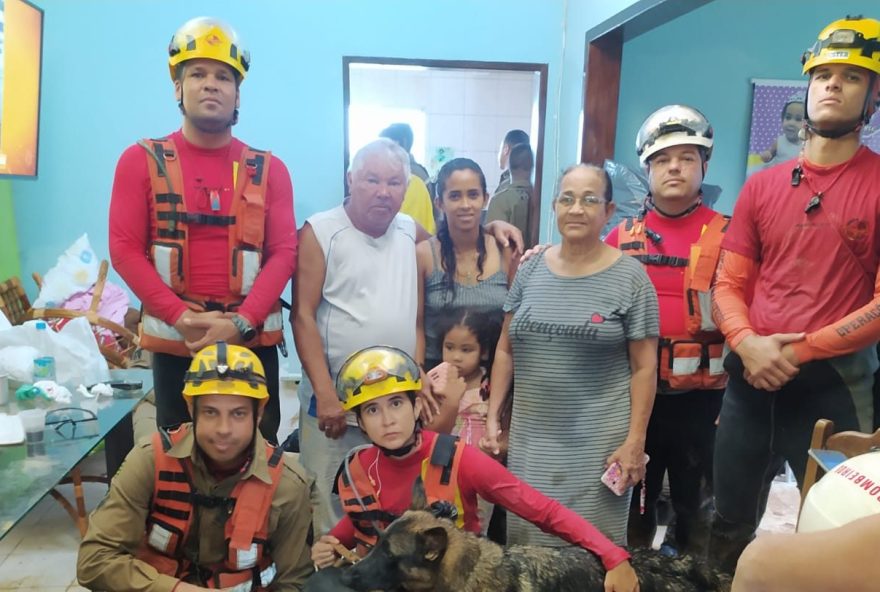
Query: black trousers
{"type": "Point", "coordinates": [760, 430]}
{"type": "Point", "coordinates": [168, 375]}
{"type": "Point", "coordinates": [680, 441]}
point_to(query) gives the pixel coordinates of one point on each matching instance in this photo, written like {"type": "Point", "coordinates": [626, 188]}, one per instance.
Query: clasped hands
{"type": "Point", "coordinates": [769, 361]}
{"type": "Point", "coordinates": [201, 329]}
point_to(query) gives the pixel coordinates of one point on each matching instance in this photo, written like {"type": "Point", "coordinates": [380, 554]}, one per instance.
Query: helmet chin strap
{"type": "Point", "coordinates": [406, 448]}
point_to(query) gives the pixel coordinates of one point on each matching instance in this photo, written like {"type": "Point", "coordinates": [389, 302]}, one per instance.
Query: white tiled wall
{"type": "Point", "coordinates": [467, 110]}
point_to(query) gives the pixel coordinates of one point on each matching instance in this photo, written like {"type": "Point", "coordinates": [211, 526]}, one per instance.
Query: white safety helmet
{"type": "Point", "coordinates": [850, 491]}
{"type": "Point", "coordinates": [673, 125]}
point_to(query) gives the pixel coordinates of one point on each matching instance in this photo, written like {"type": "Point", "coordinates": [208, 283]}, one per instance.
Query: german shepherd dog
{"type": "Point", "coordinates": [422, 552]}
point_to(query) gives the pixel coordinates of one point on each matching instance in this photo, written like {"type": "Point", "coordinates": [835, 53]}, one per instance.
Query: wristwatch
{"type": "Point", "coordinates": [245, 329]}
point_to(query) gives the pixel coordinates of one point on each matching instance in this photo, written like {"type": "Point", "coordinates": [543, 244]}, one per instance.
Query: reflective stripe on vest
{"type": "Point", "coordinates": [692, 361]}
{"type": "Point", "coordinates": [169, 238]}
{"type": "Point", "coordinates": [686, 364]}
{"type": "Point", "coordinates": [158, 336]}
{"type": "Point", "coordinates": [266, 577]}
{"type": "Point", "coordinates": [173, 507]}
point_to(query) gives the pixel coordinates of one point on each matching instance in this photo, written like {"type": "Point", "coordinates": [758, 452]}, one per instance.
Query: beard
{"type": "Point", "coordinates": [210, 125]}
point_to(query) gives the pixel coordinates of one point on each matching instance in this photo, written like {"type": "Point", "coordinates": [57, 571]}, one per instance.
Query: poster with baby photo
{"type": "Point", "coordinates": [778, 116]}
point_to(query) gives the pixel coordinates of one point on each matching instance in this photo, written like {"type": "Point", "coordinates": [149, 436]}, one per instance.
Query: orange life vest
{"type": "Point", "coordinates": [169, 253]}
{"type": "Point", "coordinates": [361, 502]}
{"type": "Point", "coordinates": [695, 360]}
{"type": "Point", "coordinates": [248, 566]}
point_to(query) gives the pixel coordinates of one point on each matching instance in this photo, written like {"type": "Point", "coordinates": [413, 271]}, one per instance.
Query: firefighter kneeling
{"type": "Point", "coordinates": [208, 504]}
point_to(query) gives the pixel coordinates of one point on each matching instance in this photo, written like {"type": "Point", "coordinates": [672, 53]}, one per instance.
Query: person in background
{"type": "Point", "coordinates": [202, 227]}
{"type": "Point", "coordinates": [417, 200]}
{"type": "Point", "coordinates": [516, 202]}
{"type": "Point", "coordinates": [797, 289]}
{"type": "Point", "coordinates": [580, 338]}
{"type": "Point", "coordinates": [511, 139]}
{"type": "Point", "coordinates": [209, 504]}
{"type": "Point", "coordinates": [678, 240]}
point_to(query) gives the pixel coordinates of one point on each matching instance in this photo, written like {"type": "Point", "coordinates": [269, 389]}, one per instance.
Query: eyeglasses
{"type": "Point", "coordinates": [70, 423]}
{"type": "Point", "coordinates": [586, 201]}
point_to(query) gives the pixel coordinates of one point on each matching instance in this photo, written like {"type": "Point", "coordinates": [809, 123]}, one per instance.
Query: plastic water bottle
{"type": "Point", "coordinates": [44, 366]}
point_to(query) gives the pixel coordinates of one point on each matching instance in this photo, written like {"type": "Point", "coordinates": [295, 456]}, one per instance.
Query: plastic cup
{"type": "Point", "coordinates": [34, 422]}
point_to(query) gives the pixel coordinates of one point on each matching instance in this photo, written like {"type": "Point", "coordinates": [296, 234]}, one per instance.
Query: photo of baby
{"type": "Point", "coordinates": [776, 132]}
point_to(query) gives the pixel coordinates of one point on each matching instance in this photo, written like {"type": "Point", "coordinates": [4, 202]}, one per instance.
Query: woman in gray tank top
{"type": "Point", "coordinates": [461, 266]}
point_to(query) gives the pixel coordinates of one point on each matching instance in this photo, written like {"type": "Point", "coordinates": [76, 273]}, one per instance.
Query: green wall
{"type": "Point", "coordinates": [9, 263]}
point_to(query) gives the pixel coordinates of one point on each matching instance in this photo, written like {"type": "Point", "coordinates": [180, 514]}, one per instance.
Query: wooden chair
{"type": "Point", "coordinates": [849, 443]}
{"type": "Point", "coordinates": [127, 340]}
{"type": "Point", "coordinates": [13, 301]}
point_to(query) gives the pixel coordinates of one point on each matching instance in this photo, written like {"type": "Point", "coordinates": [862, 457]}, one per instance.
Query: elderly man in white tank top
{"type": "Point", "coordinates": [355, 286]}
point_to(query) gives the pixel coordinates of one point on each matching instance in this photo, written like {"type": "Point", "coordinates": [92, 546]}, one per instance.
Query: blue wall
{"type": "Point", "coordinates": [707, 57]}
{"type": "Point", "coordinates": [105, 84]}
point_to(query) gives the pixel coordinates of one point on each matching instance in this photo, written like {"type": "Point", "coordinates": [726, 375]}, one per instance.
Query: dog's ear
{"type": "Point", "coordinates": [419, 499]}
{"type": "Point", "coordinates": [434, 542]}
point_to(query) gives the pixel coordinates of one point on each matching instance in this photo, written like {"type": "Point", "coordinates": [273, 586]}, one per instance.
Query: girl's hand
{"type": "Point", "coordinates": [622, 579]}
{"type": "Point", "coordinates": [323, 553]}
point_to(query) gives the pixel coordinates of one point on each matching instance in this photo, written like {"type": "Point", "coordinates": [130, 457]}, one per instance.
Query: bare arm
{"type": "Point", "coordinates": [643, 387]}
{"type": "Point", "coordinates": [308, 285]}
{"type": "Point", "coordinates": [424, 264]}
{"type": "Point", "coordinates": [843, 558]}
{"type": "Point", "coordinates": [499, 387]}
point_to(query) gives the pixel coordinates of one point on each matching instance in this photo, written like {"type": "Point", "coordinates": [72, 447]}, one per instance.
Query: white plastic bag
{"type": "Point", "coordinates": [76, 271]}
{"type": "Point", "coordinates": [77, 357]}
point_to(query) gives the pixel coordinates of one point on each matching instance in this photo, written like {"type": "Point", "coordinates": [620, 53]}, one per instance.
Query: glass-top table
{"type": "Point", "coordinates": [25, 480]}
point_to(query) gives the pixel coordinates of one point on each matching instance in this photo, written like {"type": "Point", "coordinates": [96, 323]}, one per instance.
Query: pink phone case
{"type": "Point", "coordinates": [613, 479]}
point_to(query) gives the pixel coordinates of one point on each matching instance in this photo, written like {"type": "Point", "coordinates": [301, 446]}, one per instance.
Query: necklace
{"type": "Point", "coordinates": [816, 199]}
{"type": "Point", "coordinates": [466, 266]}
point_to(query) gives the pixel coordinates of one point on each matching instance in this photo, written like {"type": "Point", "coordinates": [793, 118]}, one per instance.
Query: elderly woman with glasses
{"type": "Point", "coordinates": [580, 338]}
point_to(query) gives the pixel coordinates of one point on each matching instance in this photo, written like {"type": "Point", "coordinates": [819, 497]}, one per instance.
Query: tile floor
{"type": "Point", "coordinates": [39, 554]}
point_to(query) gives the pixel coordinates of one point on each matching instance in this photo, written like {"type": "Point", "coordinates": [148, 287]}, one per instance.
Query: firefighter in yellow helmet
{"type": "Point", "coordinates": [201, 183]}
{"type": "Point", "coordinates": [849, 43]}
{"type": "Point", "coordinates": [797, 289]}
{"type": "Point", "coordinates": [375, 482]}
{"type": "Point", "coordinates": [208, 504]}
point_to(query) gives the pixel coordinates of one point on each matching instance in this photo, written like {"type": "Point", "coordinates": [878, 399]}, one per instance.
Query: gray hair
{"type": "Point", "coordinates": [601, 171]}
{"type": "Point", "coordinates": [385, 147]}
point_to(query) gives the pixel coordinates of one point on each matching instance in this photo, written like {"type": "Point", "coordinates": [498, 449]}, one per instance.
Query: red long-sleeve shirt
{"type": "Point", "coordinates": [479, 474]}
{"type": "Point", "coordinates": [205, 171]}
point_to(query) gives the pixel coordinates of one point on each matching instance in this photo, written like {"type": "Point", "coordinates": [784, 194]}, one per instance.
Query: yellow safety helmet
{"type": "Point", "coordinates": [222, 369]}
{"type": "Point", "coordinates": [375, 372]}
{"type": "Point", "coordinates": [854, 40]}
{"type": "Point", "coordinates": [210, 38]}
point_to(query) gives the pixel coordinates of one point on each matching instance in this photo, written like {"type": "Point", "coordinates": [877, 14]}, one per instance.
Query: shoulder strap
{"type": "Point", "coordinates": [166, 179]}
{"type": "Point", "coordinates": [709, 251]}
{"type": "Point", "coordinates": [443, 455]}
{"type": "Point", "coordinates": [253, 500]}
{"type": "Point", "coordinates": [631, 237]}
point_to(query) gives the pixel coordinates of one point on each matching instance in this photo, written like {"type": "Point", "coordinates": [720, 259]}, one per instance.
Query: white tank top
{"type": "Point", "coordinates": [370, 294]}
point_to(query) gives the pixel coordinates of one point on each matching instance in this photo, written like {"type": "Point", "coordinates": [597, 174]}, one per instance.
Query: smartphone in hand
{"type": "Point", "coordinates": [613, 479]}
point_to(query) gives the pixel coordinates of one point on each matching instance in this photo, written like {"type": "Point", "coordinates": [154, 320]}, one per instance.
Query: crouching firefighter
{"type": "Point", "coordinates": [678, 239]}
{"type": "Point", "coordinates": [205, 505]}
{"type": "Point", "coordinates": [380, 384]}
